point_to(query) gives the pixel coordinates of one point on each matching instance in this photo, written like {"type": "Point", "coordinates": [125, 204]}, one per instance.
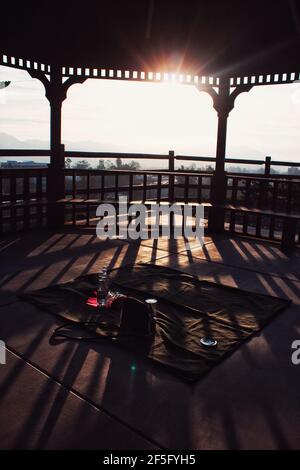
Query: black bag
{"type": "Point", "coordinates": [136, 318]}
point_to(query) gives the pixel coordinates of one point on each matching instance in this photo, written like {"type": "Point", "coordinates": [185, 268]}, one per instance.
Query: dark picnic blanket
{"type": "Point", "coordinates": [188, 310]}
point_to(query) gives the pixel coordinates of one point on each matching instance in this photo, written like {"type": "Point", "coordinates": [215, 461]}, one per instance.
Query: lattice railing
{"type": "Point", "coordinates": [269, 197]}
{"type": "Point", "coordinates": [23, 192]}
{"type": "Point", "coordinates": [23, 199]}
{"type": "Point", "coordinates": [137, 186]}
{"type": "Point", "coordinates": [273, 194]}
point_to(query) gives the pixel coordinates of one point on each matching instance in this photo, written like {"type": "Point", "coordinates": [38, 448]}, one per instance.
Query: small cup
{"type": "Point", "coordinates": [152, 305]}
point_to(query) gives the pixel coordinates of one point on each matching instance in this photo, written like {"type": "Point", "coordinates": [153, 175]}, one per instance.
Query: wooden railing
{"type": "Point", "coordinates": [267, 194]}
{"type": "Point", "coordinates": [273, 194]}
{"type": "Point", "coordinates": [270, 197]}
{"type": "Point", "coordinates": [139, 186]}
{"type": "Point", "coordinates": [24, 198]}
{"type": "Point", "coordinates": [266, 165]}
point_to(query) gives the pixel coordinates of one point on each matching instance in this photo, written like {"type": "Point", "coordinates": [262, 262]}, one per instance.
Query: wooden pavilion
{"type": "Point", "coordinates": [223, 49]}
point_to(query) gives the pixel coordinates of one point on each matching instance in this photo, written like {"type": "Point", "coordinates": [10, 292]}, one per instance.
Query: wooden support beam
{"type": "Point", "coordinates": [223, 102]}
{"type": "Point", "coordinates": [56, 93]}
{"type": "Point", "coordinates": [288, 234]}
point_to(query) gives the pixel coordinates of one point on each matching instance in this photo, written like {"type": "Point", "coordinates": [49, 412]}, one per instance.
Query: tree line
{"type": "Point", "coordinates": [103, 165]}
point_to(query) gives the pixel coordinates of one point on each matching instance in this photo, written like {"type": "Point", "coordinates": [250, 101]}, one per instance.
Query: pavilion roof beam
{"type": "Point", "coordinates": [24, 64]}
{"type": "Point", "coordinates": [148, 76]}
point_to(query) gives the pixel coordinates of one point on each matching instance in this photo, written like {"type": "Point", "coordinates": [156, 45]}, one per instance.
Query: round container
{"type": "Point", "coordinates": [209, 342]}
{"type": "Point", "coordinates": [152, 305]}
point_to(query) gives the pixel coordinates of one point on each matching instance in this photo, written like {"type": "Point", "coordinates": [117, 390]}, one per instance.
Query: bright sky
{"type": "Point", "coordinates": [154, 118]}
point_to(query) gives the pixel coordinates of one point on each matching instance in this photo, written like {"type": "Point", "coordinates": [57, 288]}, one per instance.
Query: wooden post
{"type": "Point", "coordinates": [56, 190]}
{"type": "Point", "coordinates": [222, 104]}
{"type": "Point", "coordinates": [288, 234]}
{"type": "Point", "coordinates": [221, 143]}
{"type": "Point", "coordinates": [171, 177]}
{"type": "Point", "coordinates": [267, 166]}
{"type": "Point", "coordinates": [56, 177]}
{"type": "Point", "coordinates": [55, 133]}
{"type": "Point", "coordinates": [56, 92]}
{"type": "Point", "coordinates": [171, 188]}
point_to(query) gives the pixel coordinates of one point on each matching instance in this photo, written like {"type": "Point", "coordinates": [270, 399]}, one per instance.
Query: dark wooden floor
{"type": "Point", "coordinates": [71, 395]}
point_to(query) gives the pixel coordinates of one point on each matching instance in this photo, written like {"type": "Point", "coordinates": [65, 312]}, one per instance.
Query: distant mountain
{"type": "Point", "coordinates": [245, 151]}
{"type": "Point", "coordinates": [8, 141]}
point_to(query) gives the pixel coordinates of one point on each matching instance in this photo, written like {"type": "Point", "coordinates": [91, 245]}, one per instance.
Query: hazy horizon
{"type": "Point", "coordinates": [120, 116]}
